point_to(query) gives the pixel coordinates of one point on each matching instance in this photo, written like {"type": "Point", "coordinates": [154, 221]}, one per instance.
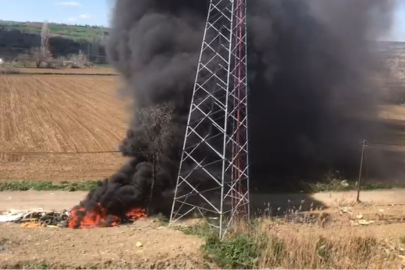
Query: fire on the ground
{"type": "Point", "coordinates": [77, 218]}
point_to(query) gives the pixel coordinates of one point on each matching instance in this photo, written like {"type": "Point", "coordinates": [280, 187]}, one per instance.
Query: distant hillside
{"type": "Point", "coordinates": [74, 32]}
{"type": "Point", "coordinates": [18, 38]}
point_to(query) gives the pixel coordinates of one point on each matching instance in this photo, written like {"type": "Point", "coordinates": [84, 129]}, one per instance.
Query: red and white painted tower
{"type": "Point", "coordinates": [213, 177]}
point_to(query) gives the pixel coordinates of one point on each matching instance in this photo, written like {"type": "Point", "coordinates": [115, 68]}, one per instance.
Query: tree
{"type": "Point", "coordinates": [156, 131]}
{"type": "Point", "coordinates": [42, 53]}
{"type": "Point", "coordinates": [38, 55]}
{"type": "Point", "coordinates": [45, 36]}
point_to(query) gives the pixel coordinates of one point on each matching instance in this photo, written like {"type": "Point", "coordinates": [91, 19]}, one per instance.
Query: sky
{"type": "Point", "coordinates": [92, 12]}
{"type": "Point", "coordinates": [398, 30]}
{"type": "Point", "coordinates": [97, 12]}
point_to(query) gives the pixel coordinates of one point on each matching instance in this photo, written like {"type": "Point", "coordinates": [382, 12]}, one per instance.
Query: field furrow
{"type": "Point", "coordinates": [59, 114]}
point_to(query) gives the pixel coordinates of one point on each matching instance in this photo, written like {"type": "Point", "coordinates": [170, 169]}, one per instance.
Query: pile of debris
{"type": "Point", "coordinates": [36, 218]}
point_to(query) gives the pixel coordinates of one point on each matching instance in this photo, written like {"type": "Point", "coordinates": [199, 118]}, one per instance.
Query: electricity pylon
{"type": "Point", "coordinates": [213, 177]}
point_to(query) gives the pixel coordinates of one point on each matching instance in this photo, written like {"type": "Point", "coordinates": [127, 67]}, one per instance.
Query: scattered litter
{"type": "Point", "coordinates": [366, 222]}
{"type": "Point", "coordinates": [37, 216]}
{"type": "Point", "coordinates": [346, 210]}
{"type": "Point", "coordinates": [10, 217]}
{"type": "Point", "coordinates": [344, 183]}
{"type": "Point", "coordinates": [381, 210]}
{"type": "Point", "coordinates": [139, 244]}
{"type": "Point", "coordinates": [53, 227]}
{"type": "Point", "coordinates": [359, 216]}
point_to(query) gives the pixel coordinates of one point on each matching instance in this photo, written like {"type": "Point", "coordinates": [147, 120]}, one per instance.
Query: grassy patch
{"type": "Point", "coordinates": [402, 239]}
{"type": "Point", "coordinates": [256, 245]}
{"type": "Point", "coordinates": [47, 186]}
{"type": "Point", "coordinates": [238, 252]}
{"type": "Point", "coordinates": [201, 229]}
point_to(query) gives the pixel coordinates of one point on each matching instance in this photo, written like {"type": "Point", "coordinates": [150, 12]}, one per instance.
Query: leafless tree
{"type": "Point", "coordinates": [156, 134]}
{"type": "Point", "coordinates": [42, 53]}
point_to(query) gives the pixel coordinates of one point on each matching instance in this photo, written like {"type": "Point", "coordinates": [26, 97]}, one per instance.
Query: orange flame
{"type": "Point", "coordinates": [81, 219]}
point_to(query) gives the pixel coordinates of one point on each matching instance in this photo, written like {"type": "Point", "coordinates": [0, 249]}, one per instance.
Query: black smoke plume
{"type": "Point", "coordinates": [309, 63]}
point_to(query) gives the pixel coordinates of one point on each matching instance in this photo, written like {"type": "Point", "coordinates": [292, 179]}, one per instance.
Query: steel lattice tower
{"type": "Point", "coordinates": [213, 177]}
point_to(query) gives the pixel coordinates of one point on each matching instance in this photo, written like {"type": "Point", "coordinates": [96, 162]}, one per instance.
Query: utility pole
{"type": "Point", "coordinates": [363, 152]}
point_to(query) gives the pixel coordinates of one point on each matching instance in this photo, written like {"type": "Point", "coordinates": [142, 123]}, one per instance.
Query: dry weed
{"type": "Point", "coordinates": [267, 243]}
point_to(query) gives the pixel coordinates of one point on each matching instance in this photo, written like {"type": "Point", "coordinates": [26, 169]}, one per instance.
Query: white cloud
{"type": "Point", "coordinates": [68, 4]}
{"type": "Point", "coordinates": [71, 19]}
{"type": "Point", "coordinates": [85, 16]}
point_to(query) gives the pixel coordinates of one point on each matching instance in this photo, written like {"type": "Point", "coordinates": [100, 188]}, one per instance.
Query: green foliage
{"type": "Point", "coordinates": [239, 251]}
{"type": "Point", "coordinates": [402, 239]}
{"type": "Point", "coordinates": [324, 249]}
{"type": "Point", "coordinates": [47, 186]}
{"type": "Point", "coordinates": [44, 266]}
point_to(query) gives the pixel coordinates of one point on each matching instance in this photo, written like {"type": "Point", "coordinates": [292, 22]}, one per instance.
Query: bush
{"type": "Point", "coordinates": [56, 63]}
{"type": "Point", "coordinates": [240, 251]}
{"type": "Point", "coordinates": [25, 60]}
{"type": "Point", "coordinates": [79, 60]}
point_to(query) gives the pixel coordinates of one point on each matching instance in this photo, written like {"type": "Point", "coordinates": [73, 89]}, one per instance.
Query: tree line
{"type": "Point", "coordinates": [27, 47]}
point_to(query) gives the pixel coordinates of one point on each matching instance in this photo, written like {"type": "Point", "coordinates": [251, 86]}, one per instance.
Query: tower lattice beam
{"type": "Point", "coordinates": [213, 177]}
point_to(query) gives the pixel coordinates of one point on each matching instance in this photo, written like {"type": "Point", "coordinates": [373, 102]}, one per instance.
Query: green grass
{"type": "Point", "coordinates": [238, 250]}
{"type": "Point", "coordinates": [47, 186]}
{"type": "Point", "coordinates": [402, 239]}
{"type": "Point", "coordinates": [201, 229]}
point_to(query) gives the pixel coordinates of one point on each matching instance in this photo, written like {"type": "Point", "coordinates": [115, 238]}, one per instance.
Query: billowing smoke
{"type": "Point", "coordinates": [310, 95]}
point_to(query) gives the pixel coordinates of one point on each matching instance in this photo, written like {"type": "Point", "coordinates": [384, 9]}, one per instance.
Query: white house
{"type": "Point", "coordinates": [1, 62]}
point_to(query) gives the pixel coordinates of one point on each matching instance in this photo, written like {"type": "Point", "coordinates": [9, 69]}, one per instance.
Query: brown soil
{"type": "Point", "coordinates": [59, 114]}
{"type": "Point", "coordinates": [105, 247]}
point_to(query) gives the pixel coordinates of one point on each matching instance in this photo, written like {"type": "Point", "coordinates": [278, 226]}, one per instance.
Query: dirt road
{"type": "Point", "coordinates": [56, 200]}
{"type": "Point", "coordinates": [60, 200]}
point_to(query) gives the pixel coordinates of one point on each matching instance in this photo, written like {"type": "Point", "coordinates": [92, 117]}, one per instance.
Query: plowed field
{"type": "Point", "coordinates": [59, 114]}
